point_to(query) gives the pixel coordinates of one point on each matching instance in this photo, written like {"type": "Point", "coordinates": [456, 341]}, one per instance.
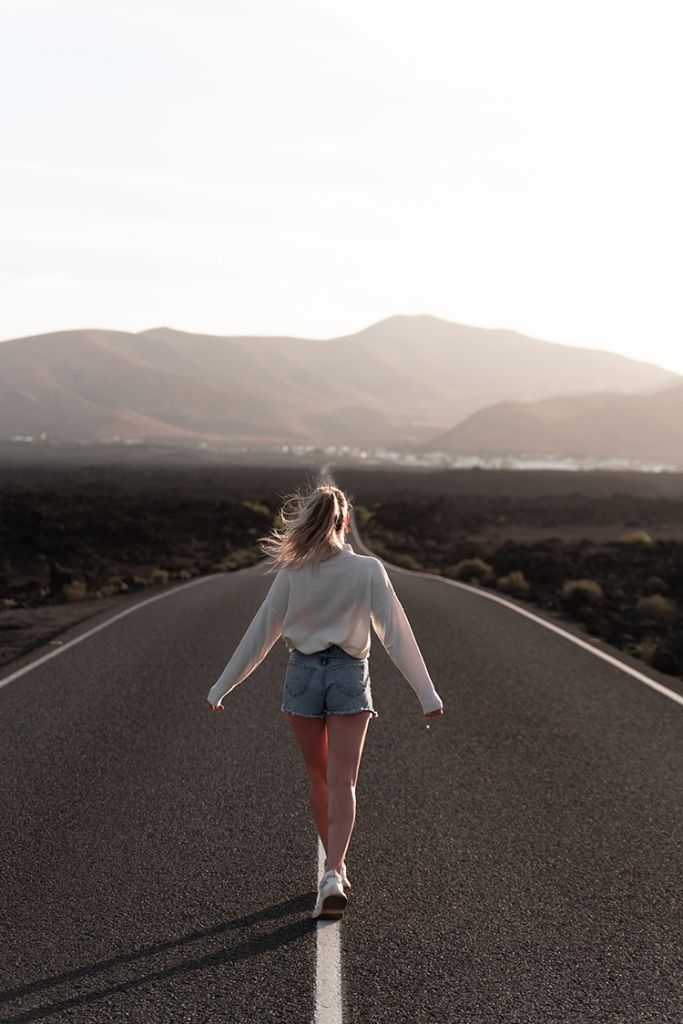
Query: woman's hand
{"type": "Point", "coordinates": [215, 707]}
{"type": "Point", "coordinates": [431, 714]}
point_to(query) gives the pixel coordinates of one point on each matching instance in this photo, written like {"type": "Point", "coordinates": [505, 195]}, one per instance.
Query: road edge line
{"type": "Point", "coordinates": [634, 672]}
{"type": "Point", "coordinates": [114, 618]}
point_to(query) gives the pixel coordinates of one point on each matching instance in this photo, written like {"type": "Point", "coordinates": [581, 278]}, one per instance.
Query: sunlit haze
{"type": "Point", "coordinates": [310, 168]}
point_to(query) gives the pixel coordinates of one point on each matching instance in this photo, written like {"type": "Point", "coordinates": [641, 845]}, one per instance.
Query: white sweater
{"type": "Point", "coordinates": [336, 606]}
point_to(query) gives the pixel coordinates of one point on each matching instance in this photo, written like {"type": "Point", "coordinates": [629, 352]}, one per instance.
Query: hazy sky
{"type": "Point", "coordinates": [311, 167]}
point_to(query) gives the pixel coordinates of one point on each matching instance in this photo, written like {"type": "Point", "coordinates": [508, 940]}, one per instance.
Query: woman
{"type": "Point", "coordinates": [323, 600]}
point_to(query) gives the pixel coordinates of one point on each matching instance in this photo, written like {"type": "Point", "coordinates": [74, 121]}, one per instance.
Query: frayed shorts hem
{"type": "Point", "coordinates": [375, 714]}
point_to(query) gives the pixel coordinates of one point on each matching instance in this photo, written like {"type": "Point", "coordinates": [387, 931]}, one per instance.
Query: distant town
{"type": "Point", "coordinates": [354, 454]}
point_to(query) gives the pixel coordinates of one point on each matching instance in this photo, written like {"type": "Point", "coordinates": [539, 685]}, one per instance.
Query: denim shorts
{"type": "Point", "coordinates": [328, 682]}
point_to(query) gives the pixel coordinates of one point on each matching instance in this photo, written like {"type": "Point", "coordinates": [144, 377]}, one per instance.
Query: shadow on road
{"type": "Point", "coordinates": [255, 946]}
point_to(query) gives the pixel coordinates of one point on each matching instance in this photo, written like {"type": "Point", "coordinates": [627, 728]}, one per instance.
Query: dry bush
{"type": "Point", "coordinates": [240, 558]}
{"type": "Point", "coordinates": [114, 585]}
{"type": "Point", "coordinates": [380, 550]}
{"type": "Point", "coordinates": [406, 562]}
{"type": "Point", "coordinates": [657, 607]}
{"type": "Point", "coordinates": [668, 655]}
{"type": "Point", "coordinates": [645, 649]}
{"type": "Point", "coordinates": [470, 569]}
{"type": "Point", "coordinates": [259, 508]}
{"type": "Point", "coordinates": [655, 585]}
{"type": "Point", "coordinates": [576, 593]}
{"type": "Point", "coordinates": [515, 581]}
{"type": "Point", "coordinates": [362, 514]}
{"type": "Point", "coordinates": [636, 537]}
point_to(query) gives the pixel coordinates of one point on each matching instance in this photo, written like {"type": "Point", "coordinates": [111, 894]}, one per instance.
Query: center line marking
{"type": "Point", "coordinates": [328, 980]}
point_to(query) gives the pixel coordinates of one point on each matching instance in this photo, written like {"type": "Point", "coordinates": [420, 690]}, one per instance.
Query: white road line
{"type": "Point", "coordinates": [108, 622]}
{"type": "Point", "coordinates": [587, 645]}
{"type": "Point", "coordinates": [328, 967]}
{"type": "Point", "coordinates": [328, 986]}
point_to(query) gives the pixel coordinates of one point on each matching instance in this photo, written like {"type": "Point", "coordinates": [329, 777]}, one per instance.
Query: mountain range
{"type": "Point", "coordinates": [413, 382]}
{"type": "Point", "coordinates": [603, 425]}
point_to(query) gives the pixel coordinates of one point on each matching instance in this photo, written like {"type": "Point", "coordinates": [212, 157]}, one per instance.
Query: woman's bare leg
{"type": "Point", "coordinates": [346, 738]}
{"type": "Point", "coordinates": [311, 735]}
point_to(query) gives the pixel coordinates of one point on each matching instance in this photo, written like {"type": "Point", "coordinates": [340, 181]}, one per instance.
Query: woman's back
{"type": "Point", "coordinates": [330, 604]}
{"type": "Point", "coordinates": [336, 603]}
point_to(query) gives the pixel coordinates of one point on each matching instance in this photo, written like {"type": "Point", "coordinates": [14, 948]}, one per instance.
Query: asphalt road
{"type": "Point", "coordinates": [519, 861]}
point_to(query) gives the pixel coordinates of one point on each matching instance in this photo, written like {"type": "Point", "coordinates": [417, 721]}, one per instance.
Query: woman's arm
{"type": "Point", "coordinates": [391, 625]}
{"type": "Point", "coordinates": [264, 629]}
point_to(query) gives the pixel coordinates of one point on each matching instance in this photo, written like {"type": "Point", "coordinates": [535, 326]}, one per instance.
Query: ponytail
{"type": "Point", "coordinates": [313, 528]}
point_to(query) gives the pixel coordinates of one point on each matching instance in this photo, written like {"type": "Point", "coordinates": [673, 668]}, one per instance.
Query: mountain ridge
{"type": "Point", "coordinates": [406, 380]}
{"type": "Point", "coordinates": [606, 424]}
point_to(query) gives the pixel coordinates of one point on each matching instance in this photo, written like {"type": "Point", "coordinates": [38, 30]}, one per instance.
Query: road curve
{"type": "Point", "coordinates": [518, 861]}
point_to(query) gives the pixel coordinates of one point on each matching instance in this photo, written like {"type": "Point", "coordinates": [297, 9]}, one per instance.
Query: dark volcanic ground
{"type": "Point", "coordinates": [77, 538]}
{"type": "Point", "coordinates": [605, 549]}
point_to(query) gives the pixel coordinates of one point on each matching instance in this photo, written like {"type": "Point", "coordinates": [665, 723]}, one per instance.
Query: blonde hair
{"type": "Point", "coordinates": [313, 527]}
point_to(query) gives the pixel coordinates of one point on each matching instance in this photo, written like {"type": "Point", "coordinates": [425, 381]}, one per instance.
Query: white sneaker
{"type": "Point", "coordinates": [344, 876]}
{"type": "Point", "coordinates": [331, 896]}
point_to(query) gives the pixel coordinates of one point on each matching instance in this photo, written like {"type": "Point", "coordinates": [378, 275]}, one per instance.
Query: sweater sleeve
{"type": "Point", "coordinates": [391, 625]}
{"type": "Point", "coordinates": [264, 629]}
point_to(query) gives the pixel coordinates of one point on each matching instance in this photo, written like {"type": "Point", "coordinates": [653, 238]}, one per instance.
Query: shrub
{"type": "Point", "coordinates": [636, 537]}
{"type": "Point", "coordinates": [239, 558]}
{"type": "Point", "coordinates": [655, 585]}
{"type": "Point", "coordinates": [658, 608]}
{"type": "Point", "coordinates": [577, 593]}
{"type": "Point", "coordinates": [76, 590]}
{"type": "Point", "coordinates": [380, 550]}
{"type": "Point", "coordinates": [470, 569]}
{"type": "Point", "coordinates": [258, 507]}
{"type": "Point", "coordinates": [362, 514]}
{"type": "Point", "coordinates": [645, 649]}
{"type": "Point", "coordinates": [406, 562]}
{"type": "Point", "coordinates": [515, 581]}
{"type": "Point", "coordinates": [668, 656]}
{"type": "Point", "coordinates": [158, 575]}
{"type": "Point", "coordinates": [114, 585]}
